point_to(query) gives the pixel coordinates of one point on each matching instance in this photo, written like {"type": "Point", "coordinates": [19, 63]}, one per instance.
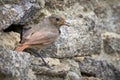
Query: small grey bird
{"type": "Point", "coordinates": [42, 34]}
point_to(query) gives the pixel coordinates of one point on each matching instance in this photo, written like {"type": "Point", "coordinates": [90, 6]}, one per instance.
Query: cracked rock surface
{"type": "Point", "coordinates": [87, 50]}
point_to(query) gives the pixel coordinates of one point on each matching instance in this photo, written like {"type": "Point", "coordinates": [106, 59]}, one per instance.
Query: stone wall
{"type": "Point", "coordinates": [87, 50]}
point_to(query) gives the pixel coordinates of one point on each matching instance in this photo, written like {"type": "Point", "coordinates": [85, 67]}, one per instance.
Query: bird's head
{"type": "Point", "coordinates": [58, 20]}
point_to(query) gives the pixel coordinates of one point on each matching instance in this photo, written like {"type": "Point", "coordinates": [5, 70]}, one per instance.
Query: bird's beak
{"type": "Point", "coordinates": [63, 22]}
{"type": "Point", "coordinates": [66, 23]}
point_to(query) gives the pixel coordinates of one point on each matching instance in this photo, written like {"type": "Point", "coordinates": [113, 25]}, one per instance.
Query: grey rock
{"type": "Point", "coordinates": [89, 20]}
{"type": "Point", "coordinates": [74, 66]}
{"type": "Point", "coordinates": [56, 68]}
{"type": "Point", "coordinates": [44, 77]}
{"type": "Point", "coordinates": [74, 72]}
{"type": "Point", "coordinates": [111, 43]}
{"type": "Point", "coordinates": [9, 40]}
{"type": "Point", "coordinates": [67, 69]}
{"type": "Point", "coordinates": [20, 13]}
{"type": "Point", "coordinates": [99, 69]}
{"type": "Point", "coordinates": [73, 76]}
{"type": "Point", "coordinates": [13, 64]}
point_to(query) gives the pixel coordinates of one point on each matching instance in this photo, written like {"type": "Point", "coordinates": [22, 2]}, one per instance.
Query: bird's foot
{"type": "Point", "coordinates": [44, 62]}
{"type": "Point", "coordinates": [46, 65]}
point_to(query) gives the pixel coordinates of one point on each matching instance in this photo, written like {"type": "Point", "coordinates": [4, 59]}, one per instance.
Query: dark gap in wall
{"type": "Point", "coordinates": [88, 74]}
{"type": "Point", "coordinates": [15, 28]}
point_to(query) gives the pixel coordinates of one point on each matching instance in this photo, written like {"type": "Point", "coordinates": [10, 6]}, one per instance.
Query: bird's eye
{"type": "Point", "coordinates": [57, 19]}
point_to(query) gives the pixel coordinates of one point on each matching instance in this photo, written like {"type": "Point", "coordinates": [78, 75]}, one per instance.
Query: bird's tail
{"type": "Point", "coordinates": [20, 48]}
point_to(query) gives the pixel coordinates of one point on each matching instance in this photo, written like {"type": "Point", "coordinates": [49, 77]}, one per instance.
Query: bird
{"type": "Point", "coordinates": [43, 34]}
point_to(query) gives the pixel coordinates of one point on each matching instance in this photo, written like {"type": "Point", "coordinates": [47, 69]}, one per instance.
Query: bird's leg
{"type": "Point", "coordinates": [45, 63]}
{"type": "Point", "coordinates": [38, 55]}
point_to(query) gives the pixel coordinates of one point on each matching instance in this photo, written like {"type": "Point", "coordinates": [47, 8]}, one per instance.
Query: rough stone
{"type": "Point", "coordinates": [100, 69]}
{"type": "Point", "coordinates": [74, 72]}
{"type": "Point", "coordinates": [9, 40]}
{"type": "Point", "coordinates": [43, 77]}
{"type": "Point", "coordinates": [89, 20]}
{"type": "Point", "coordinates": [111, 43]}
{"type": "Point", "coordinates": [73, 76]}
{"type": "Point", "coordinates": [14, 65]}
{"type": "Point", "coordinates": [19, 13]}
{"type": "Point", "coordinates": [56, 69]}
{"type": "Point", "coordinates": [67, 69]}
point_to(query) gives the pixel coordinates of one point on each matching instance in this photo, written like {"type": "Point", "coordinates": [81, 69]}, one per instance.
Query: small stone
{"type": "Point", "coordinates": [53, 61]}
{"type": "Point", "coordinates": [73, 76]}
{"type": "Point", "coordinates": [79, 58]}
{"type": "Point", "coordinates": [9, 40]}
{"type": "Point", "coordinates": [7, 6]}
{"type": "Point", "coordinates": [111, 43]}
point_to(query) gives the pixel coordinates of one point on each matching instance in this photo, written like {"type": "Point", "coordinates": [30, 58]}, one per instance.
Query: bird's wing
{"type": "Point", "coordinates": [38, 38]}
{"type": "Point", "coordinates": [27, 35]}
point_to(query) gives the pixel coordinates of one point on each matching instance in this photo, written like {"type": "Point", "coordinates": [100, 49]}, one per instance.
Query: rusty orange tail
{"type": "Point", "coordinates": [21, 48]}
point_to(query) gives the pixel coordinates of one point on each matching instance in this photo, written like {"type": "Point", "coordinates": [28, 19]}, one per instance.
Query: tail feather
{"type": "Point", "coordinates": [21, 48]}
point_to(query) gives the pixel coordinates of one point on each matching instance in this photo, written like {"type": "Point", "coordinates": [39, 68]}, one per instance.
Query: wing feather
{"type": "Point", "coordinates": [41, 38]}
